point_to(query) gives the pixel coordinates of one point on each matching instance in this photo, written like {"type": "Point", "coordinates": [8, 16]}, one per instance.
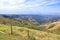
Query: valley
{"type": "Point", "coordinates": [29, 27]}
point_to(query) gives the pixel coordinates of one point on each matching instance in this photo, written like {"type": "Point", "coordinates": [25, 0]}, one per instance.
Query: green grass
{"type": "Point", "coordinates": [5, 37]}
{"type": "Point", "coordinates": [10, 37]}
{"type": "Point", "coordinates": [20, 33]}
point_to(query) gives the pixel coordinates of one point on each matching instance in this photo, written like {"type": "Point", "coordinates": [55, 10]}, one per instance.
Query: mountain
{"type": "Point", "coordinates": [32, 27]}
{"type": "Point", "coordinates": [42, 19]}
{"type": "Point", "coordinates": [4, 19]}
{"type": "Point", "coordinates": [33, 19]}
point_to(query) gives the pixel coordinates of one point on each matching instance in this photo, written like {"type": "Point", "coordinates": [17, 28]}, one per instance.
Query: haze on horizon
{"type": "Point", "coordinates": [29, 6]}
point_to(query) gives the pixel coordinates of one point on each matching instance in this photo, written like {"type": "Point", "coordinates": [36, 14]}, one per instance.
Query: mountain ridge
{"type": "Point", "coordinates": [42, 19]}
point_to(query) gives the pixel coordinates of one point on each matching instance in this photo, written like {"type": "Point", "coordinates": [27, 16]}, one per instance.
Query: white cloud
{"type": "Point", "coordinates": [28, 6]}
{"type": "Point", "coordinates": [10, 4]}
{"type": "Point", "coordinates": [18, 4]}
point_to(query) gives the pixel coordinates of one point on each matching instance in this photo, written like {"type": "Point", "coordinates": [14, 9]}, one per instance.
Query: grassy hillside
{"type": "Point", "coordinates": [21, 33]}
{"type": "Point", "coordinates": [9, 37]}
{"type": "Point", "coordinates": [28, 30]}
{"type": "Point", "coordinates": [53, 27]}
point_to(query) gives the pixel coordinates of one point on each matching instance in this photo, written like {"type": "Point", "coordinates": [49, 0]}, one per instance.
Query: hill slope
{"type": "Point", "coordinates": [21, 33]}
{"type": "Point", "coordinates": [53, 27]}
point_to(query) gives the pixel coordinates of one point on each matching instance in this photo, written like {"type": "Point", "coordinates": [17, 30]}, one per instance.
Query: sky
{"type": "Point", "coordinates": [29, 6]}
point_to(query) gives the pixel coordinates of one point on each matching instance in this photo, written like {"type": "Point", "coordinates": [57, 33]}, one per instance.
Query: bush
{"type": "Point", "coordinates": [51, 26]}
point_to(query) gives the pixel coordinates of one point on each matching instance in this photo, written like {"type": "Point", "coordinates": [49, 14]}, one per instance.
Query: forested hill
{"type": "Point", "coordinates": [41, 19]}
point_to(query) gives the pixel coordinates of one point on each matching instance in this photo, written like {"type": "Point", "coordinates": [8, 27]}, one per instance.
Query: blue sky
{"type": "Point", "coordinates": [29, 6]}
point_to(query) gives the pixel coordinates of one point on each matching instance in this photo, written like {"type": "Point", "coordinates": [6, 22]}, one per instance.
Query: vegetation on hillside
{"type": "Point", "coordinates": [28, 29]}
{"type": "Point", "coordinates": [21, 33]}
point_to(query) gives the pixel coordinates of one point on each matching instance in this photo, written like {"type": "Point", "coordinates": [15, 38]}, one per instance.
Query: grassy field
{"type": "Point", "coordinates": [21, 33]}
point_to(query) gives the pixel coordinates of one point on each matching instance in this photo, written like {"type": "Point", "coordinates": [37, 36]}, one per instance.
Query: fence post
{"type": "Point", "coordinates": [28, 35]}
{"type": "Point", "coordinates": [11, 25]}
{"type": "Point", "coordinates": [11, 29]}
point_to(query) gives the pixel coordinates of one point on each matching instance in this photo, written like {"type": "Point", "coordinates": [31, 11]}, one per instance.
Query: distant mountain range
{"type": "Point", "coordinates": [41, 19]}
